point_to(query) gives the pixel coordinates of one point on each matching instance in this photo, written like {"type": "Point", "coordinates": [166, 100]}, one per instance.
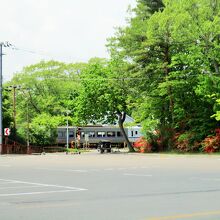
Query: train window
{"type": "Point", "coordinates": [136, 132]}
{"type": "Point", "coordinates": [110, 133]}
{"type": "Point", "coordinates": [100, 134]}
{"type": "Point", "coordinates": [70, 134]}
{"type": "Point", "coordinates": [82, 134]}
{"type": "Point", "coordinates": [119, 134]}
{"type": "Point", "coordinates": [132, 133]}
{"type": "Point", "coordinates": [60, 134]}
{"type": "Point", "coordinates": [91, 134]}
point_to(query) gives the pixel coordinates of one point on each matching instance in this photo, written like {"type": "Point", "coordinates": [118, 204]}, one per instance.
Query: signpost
{"type": "Point", "coordinates": [7, 131]}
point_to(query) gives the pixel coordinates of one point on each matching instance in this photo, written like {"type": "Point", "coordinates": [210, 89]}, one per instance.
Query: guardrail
{"type": "Point", "coordinates": [22, 149]}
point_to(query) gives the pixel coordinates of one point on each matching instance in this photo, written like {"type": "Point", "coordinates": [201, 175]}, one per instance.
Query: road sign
{"type": "Point", "coordinates": [7, 131]}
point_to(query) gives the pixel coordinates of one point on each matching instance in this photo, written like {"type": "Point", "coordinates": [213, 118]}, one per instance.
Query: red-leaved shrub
{"type": "Point", "coordinates": [181, 141]}
{"type": "Point", "coordinates": [212, 143]}
{"type": "Point", "coordinates": [142, 145]}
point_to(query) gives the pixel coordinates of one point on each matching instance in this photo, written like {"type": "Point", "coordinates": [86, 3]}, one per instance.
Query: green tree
{"type": "Point", "coordinates": [178, 47]}
{"type": "Point", "coordinates": [43, 129]}
{"type": "Point", "coordinates": [103, 94]}
{"type": "Point", "coordinates": [46, 88]}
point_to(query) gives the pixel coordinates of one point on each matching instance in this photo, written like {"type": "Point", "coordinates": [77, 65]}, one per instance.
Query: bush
{"type": "Point", "coordinates": [212, 143]}
{"type": "Point", "coordinates": [161, 139]}
{"type": "Point", "coordinates": [142, 145]}
{"type": "Point", "coordinates": [184, 142]}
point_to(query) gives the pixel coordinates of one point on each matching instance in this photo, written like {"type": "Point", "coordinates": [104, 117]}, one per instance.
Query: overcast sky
{"type": "Point", "coordinates": [64, 30]}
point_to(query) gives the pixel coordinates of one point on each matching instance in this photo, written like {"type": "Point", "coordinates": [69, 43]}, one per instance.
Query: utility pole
{"type": "Point", "coordinates": [2, 44]}
{"type": "Point", "coordinates": [1, 98]}
{"type": "Point", "coordinates": [13, 89]}
{"type": "Point", "coordinates": [14, 110]}
{"type": "Point", "coordinates": [28, 128]}
{"type": "Point", "coordinates": [67, 131]}
{"type": "Point", "coordinates": [67, 134]}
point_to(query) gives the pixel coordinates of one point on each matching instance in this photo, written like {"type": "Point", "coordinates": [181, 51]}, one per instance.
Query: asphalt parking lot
{"type": "Point", "coordinates": [116, 186]}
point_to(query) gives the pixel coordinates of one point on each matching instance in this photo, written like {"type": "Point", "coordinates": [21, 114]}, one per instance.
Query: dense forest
{"type": "Point", "coordinates": [163, 70]}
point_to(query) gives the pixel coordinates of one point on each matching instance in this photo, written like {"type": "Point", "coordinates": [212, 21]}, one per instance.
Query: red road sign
{"type": "Point", "coordinates": [7, 131]}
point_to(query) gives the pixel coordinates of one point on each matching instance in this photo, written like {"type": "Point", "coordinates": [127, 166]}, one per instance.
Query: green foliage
{"type": "Point", "coordinates": [7, 111]}
{"type": "Point", "coordinates": [43, 129]}
{"type": "Point", "coordinates": [103, 92]}
{"type": "Point", "coordinates": [164, 70]}
{"type": "Point", "coordinates": [176, 52]}
{"type": "Point", "coordinates": [184, 136]}
{"type": "Point", "coordinates": [217, 108]}
{"type": "Point", "coordinates": [183, 142]}
{"type": "Point", "coordinates": [45, 91]}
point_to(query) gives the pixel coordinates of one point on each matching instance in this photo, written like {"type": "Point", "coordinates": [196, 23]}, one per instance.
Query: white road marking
{"type": "Point", "coordinates": [63, 170]}
{"type": "Point", "coordinates": [18, 187]}
{"type": "Point", "coordinates": [132, 174]}
{"type": "Point", "coordinates": [42, 184]}
{"type": "Point", "coordinates": [4, 183]}
{"type": "Point", "coordinates": [63, 188]}
{"type": "Point", "coordinates": [42, 192]}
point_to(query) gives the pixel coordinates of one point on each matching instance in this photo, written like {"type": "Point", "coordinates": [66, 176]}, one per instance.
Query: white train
{"type": "Point", "coordinates": [92, 135]}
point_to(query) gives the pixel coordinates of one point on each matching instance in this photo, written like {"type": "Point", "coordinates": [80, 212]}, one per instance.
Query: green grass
{"type": "Point", "coordinates": [75, 150]}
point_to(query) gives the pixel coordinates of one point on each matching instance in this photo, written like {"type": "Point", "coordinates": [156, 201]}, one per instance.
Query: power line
{"type": "Point", "coordinates": [30, 51]}
{"type": "Point", "coordinates": [123, 78]}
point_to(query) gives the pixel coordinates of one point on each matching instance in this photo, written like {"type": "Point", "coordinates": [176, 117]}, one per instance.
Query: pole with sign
{"type": "Point", "coordinates": [7, 131]}
{"type": "Point", "coordinates": [2, 44]}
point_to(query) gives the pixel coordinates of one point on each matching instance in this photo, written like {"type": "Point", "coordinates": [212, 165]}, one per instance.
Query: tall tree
{"type": "Point", "coordinates": [178, 47]}
{"type": "Point", "coordinates": [47, 90]}
{"type": "Point", "coordinates": [103, 94]}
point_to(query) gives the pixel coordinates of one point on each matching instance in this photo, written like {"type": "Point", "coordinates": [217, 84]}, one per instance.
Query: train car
{"type": "Point", "coordinates": [91, 135]}
{"type": "Point", "coordinates": [134, 133]}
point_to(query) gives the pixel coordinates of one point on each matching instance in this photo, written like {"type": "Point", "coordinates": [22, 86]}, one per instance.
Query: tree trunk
{"type": "Point", "coordinates": [121, 119]}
